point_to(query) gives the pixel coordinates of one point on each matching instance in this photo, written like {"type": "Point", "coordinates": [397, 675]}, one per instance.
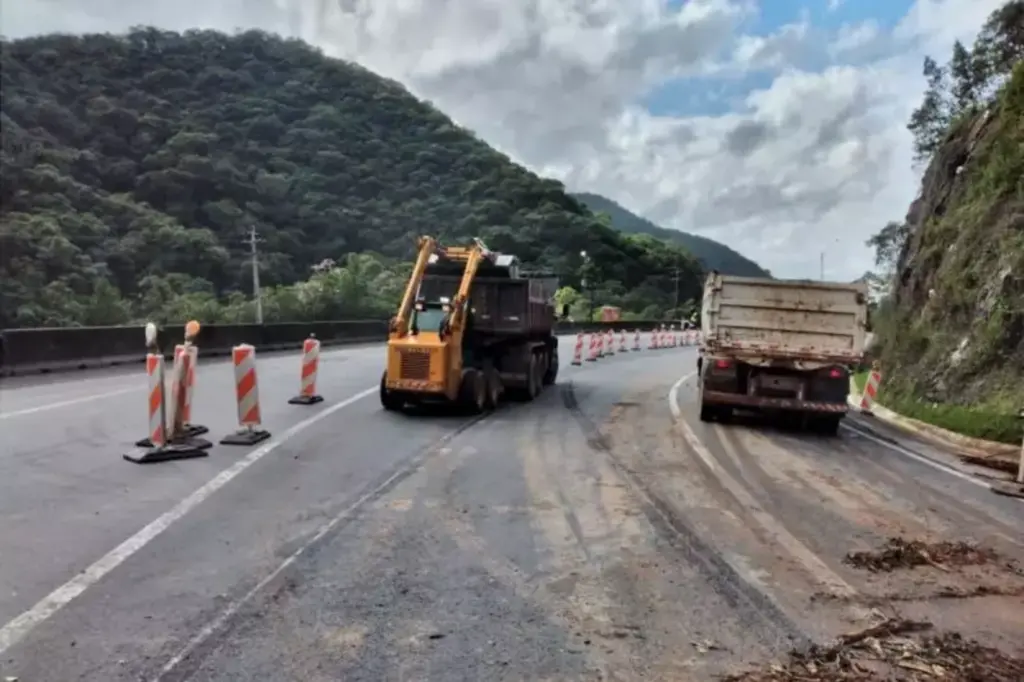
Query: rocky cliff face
{"type": "Point", "coordinates": [956, 330]}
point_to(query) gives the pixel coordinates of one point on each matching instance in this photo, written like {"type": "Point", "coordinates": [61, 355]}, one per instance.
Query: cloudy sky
{"type": "Point", "coordinates": [775, 127]}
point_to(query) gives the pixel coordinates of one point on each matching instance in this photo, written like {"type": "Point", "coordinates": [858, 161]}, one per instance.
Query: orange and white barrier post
{"type": "Point", "coordinates": [577, 353]}
{"type": "Point", "coordinates": [247, 396]}
{"type": "Point", "coordinates": [595, 352]}
{"type": "Point", "coordinates": [189, 369]}
{"type": "Point", "coordinates": [867, 401]}
{"type": "Point", "coordinates": [636, 340]}
{"type": "Point", "coordinates": [602, 348]}
{"type": "Point", "coordinates": [609, 342]}
{"type": "Point", "coordinates": [307, 379]}
{"type": "Point", "coordinates": [653, 345]}
{"type": "Point", "coordinates": [169, 438]}
{"type": "Point", "coordinates": [622, 341]}
{"type": "Point", "coordinates": [158, 435]}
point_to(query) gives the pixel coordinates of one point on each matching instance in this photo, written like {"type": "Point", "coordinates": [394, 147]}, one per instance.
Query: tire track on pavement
{"type": "Point", "coordinates": [726, 579]}
{"type": "Point", "coordinates": [209, 636]}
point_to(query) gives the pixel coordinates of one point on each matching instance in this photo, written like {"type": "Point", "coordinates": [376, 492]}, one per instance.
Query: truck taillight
{"type": "Point", "coordinates": [723, 364]}
{"type": "Point", "coordinates": [835, 373]}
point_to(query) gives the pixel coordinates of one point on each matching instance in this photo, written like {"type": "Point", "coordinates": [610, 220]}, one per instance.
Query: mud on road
{"type": "Point", "coordinates": [553, 541]}
{"type": "Point", "coordinates": [844, 539]}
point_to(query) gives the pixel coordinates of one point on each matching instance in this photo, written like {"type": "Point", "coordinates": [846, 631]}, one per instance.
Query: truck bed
{"type": "Point", "coordinates": [812, 321]}
{"type": "Point", "coordinates": [503, 306]}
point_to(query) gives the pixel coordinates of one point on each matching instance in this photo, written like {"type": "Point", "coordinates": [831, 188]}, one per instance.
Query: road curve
{"type": "Point", "coordinates": [593, 533]}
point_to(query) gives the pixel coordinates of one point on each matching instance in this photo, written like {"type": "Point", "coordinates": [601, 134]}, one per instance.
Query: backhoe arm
{"type": "Point", "coordinates": [460, 305]}
{"type": "Point", "coordinates": [400, 323]}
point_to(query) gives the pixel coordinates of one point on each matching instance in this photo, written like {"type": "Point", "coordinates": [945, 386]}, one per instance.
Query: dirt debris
{"type": "Point", "coordinates": [1004, 465]}
{"type": "Point", "coordinates": [892, 651]}
{"type": "Point", "coordinates": [898, 553]}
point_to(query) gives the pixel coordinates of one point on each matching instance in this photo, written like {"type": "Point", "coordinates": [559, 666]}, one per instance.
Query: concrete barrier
{"type": "Point", "coordinates": [34, 351]}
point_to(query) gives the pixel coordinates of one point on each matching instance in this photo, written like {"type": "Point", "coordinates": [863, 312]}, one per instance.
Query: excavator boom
{"type": "Point", "coordinates": [400, 323]}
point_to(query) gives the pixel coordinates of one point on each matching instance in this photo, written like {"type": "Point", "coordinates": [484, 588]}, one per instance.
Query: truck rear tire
{"type": "Point", "coordinates": [551, 374]}
{"type": "Point", "coordinates": [708, 412]}
{"type": "Point", "coordinates": [473, 392]}
{"type": "Point", "coordinates": [534, 377]}
{"type": "Point", "coordinates": [827, 426]}
{"type": "Point", "coordinates": [492, 380]}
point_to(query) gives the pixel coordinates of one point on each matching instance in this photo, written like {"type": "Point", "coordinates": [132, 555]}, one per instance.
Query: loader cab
{"type": "Point", "coordinates": [428, 316]}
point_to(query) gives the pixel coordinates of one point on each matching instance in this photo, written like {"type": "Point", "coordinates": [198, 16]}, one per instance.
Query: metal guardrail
{"type": "Point", "coordinates": [33, 351]}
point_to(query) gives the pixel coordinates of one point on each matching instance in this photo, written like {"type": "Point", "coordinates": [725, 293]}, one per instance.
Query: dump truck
{"type": "Point", "coordinates": [472, 327]}
{"type": "Point", "coordinates": [784, 346]}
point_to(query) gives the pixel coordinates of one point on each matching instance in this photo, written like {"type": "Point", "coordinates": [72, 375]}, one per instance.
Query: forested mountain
{"type": "Point", "coordinates": [711, 254]}
{"type": "Point", "coordinates": [135, 166]}
{"type": "Point", "coordinates": [951, 329]}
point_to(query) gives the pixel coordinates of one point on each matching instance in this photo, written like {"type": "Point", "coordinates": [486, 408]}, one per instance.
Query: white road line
{"type": "Point", "coordinates": [234, 607]}
{"type": "Point", "coordinates": [815, 567]}
{"type": "Point", "coordinates": [68, 403]}
{"type": "Point", "coordinates": [899, 449]}
{"type": "Point", "coordinates": [59, 598]}
{"type": "Point", "coordinates": [953, 471]}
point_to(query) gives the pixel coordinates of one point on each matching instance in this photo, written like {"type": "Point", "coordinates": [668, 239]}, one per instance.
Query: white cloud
{"type": "Point", "coordinates": [815, 161]}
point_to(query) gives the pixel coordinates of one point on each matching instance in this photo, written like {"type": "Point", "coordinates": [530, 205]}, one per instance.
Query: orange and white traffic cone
{"type": "Point", "coordinates": [247, 397]}
{"type": "Point", "coordinates": [594, 350]}
{"type": "Point", "coordinates": [307, 381]}
{"type": "Point", "coordinates": [636, 340]}
{"type": "Point", "coordinates": [653, 345]}
{"type": "Point", "coordinates": [577, 353]}
{"type": "Point", "coordinates": [622, 341]}
{"type": "Point", "coordinates": [867, 400]}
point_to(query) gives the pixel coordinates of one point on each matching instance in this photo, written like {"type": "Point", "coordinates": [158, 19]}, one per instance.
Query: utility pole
{"type": "Point", "coordinates": [676, 275]}
{"type": "Point", "coordinates": [256, 274]}
{"type": "Point", "coordinates": [822, 261]}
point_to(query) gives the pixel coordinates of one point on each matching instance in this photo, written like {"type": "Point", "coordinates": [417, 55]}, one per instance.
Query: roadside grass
{"type": "Point", "coordinates": [967, 421]}
{"type": "Point", "coordinates": [860, 380]}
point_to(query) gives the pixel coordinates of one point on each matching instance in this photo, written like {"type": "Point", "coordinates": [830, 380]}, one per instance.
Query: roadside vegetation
{"type": "Point", "coordinates": [136, 168]}
{"type": "Point", "coordinates": [950, 322]}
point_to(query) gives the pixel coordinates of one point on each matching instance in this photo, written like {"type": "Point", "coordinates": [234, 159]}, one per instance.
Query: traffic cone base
{"type": "Point", "coordinates": [250, 436]}
{"type": "Point", "coordinates": [306, 400]}
{"type": "Point", "coordinates": [184, 448]}
{"type": "Point", "coordinates": [190, 430]}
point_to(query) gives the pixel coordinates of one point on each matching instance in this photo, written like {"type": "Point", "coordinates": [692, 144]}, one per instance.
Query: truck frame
{"type": "Point", "coordinates": [783, 346]}
{"type": "Point", "coordinates": [491, 336]}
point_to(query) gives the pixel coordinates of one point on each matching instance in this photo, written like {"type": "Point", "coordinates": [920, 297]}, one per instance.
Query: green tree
{"type": "Point", "coordinates": [928, 123]}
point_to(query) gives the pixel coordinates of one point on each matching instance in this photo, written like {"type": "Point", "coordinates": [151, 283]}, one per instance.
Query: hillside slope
{"type": "Point", "coordinates": [955, 330]}
{"type": "Point", "coordinates": [711, 254]}
{"type": "Point", "coordinates": [135, 166]}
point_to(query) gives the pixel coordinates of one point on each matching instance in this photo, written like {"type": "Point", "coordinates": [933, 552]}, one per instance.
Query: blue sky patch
{"type": "Point", "coordinates": [706, 96]}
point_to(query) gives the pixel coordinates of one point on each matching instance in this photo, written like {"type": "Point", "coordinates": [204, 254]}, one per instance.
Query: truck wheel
{"type": "Point", "coordinates": [708, 412]}
{"type": "Point", "coordinates": [473, 392]}
{"type": "Point", "coordinates": [552, 370]}
{"type": "Point", "coordinates": [828, 426]}
{"type": "Point", "coordinates": [389, 400]}
{"type": "Point", "coordinates": [492, 380]}
{"type": "Point", "coordinates": [534, 377]}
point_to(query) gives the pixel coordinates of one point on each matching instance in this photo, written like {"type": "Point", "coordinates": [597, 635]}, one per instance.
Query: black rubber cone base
{"type": "Point", "coordinates": [306, 400]}
{"type": "Point", "coordinates": [245, 437]}
{"type": "Point", "coordinates": [185, 448]}
{"type": "Point", "coordinates": [191, 431]}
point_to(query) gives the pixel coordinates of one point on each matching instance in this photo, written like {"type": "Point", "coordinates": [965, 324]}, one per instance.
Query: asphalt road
{"type": "Point", "coordinates": [600, 532]}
